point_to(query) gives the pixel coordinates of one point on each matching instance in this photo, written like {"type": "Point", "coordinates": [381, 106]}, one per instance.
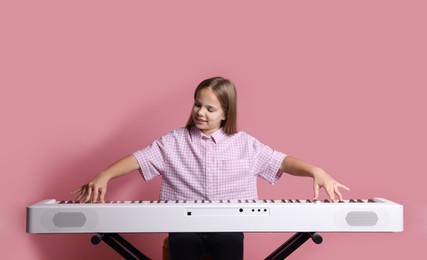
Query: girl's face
{"type": "Point", "coordinates": [207, 112]}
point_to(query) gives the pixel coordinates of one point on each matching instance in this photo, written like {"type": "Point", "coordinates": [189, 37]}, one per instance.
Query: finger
{"type": "Point", "coordinates": [78, 198]}
{"type": "Point", "coordinates": [344, 187]}
{"type": "Point", "coordinates": [316, 191]}
{"type": "Point", "coordinates": [337, 191]}
{"type": "Point", "coordinates": [341, 186]}
{"type": "Point", "coordinates": [102, 195]}
{"type": "Point", "coordinates": [79, 189]}
{"type": "Point", "coordinates": [330, 193]}
{"type": "Point", "coordinates": [95, 194]}
{"type": "Point", "coordinates": [88, 193]}
{"type": "Point", "coordinates": [82, 191]}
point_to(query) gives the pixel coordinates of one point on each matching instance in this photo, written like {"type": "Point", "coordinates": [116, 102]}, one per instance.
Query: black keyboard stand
{"type": "Point", "coordinates": [293, 244]}
{"type": "Point", "coordinates": [120, 245]}
{"type": "Point", "coordinates": [128, 251]}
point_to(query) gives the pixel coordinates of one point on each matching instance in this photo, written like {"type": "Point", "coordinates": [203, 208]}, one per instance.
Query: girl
{"type": "Point", "coordinates": [209, 160]}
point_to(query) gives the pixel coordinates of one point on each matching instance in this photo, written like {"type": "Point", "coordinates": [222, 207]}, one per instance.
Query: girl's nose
{"type": "Point", "coordinates": [199, 111]}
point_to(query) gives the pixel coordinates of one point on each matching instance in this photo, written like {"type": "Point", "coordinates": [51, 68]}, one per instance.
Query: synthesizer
{"type": "Point", "coordinates": [355, 215]}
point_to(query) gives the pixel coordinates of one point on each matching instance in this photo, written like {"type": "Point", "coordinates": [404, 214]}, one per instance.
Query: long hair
{"type": "Point", "coordinates": [225, 91]}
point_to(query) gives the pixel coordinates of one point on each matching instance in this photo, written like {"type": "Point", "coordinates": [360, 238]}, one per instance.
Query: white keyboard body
{"type": "Point", "coordinates": [375, 215]}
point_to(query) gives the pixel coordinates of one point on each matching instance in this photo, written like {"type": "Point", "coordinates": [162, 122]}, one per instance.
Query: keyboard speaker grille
{"type": "Point", "coordinates": [361, 218]}
{"type": "Point", "coordinates": [68, 219]}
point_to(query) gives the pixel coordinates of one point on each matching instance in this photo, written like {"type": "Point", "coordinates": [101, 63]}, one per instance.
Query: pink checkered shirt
{"type": "Point", "coordinates": [217, 167]}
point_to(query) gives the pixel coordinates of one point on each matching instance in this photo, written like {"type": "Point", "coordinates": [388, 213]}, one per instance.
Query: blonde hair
{"type": "Point", "coordinates": [225, 91]}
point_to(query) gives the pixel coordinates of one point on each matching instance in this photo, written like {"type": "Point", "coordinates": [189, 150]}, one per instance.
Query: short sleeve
{"type": "Point", "coordinates": [267, 162]}
{"type": "Point", "coordinates": [151, 159]}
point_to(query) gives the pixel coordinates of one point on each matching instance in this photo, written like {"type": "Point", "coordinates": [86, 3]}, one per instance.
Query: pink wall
{"type": "Point", "coordinates": [338, 84]}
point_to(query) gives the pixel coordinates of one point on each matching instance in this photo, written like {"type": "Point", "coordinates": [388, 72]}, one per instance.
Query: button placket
{"type": "Point", "coordinates": [210, 169]}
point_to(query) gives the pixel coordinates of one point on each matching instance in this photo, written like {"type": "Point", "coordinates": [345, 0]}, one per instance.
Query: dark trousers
{"type": "Point", "coordinates": [220, 246]}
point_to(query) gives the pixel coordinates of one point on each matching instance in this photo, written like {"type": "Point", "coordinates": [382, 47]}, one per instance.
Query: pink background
{"type": "Point", "coordinates": [340, 84]}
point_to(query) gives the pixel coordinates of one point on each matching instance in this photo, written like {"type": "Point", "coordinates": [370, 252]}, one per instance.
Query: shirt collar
{"type": "Point", "coordinates": [217, 136]}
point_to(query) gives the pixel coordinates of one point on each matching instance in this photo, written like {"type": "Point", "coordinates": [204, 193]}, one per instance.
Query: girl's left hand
{"type": "Point", "coordinates": [322, 180]}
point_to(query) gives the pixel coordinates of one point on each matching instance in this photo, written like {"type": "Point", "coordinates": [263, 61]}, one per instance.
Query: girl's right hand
{"type": "Point", "coordinates": [94, 190]}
